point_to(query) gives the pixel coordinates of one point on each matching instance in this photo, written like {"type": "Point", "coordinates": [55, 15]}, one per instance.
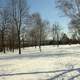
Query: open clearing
{"type": "Point", "coordinates": [35, 65]}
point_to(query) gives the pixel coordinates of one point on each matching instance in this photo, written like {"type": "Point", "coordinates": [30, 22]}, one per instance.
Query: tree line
{"type": "Point", "coordinates": [19, 28]}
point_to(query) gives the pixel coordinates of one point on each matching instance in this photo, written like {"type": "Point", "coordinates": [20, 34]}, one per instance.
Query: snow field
{"type": "Point", "coordinates": [50, 59]}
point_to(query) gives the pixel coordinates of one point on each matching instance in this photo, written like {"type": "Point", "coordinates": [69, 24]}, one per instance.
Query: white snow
{"type": "Point", "coordinates": [31, 60]}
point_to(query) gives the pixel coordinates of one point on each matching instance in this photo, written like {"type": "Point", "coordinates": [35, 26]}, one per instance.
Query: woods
{"type": "Point", "coordinates": [19, 28]}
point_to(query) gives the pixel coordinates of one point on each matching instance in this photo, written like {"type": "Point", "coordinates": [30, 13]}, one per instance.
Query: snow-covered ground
{"type": "Point", "coordinates": [35, 65]}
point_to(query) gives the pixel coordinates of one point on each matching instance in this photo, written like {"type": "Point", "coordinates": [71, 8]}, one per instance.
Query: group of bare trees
{"type": "Point", "coordinates": [4, 22]}
{"type": "Point", "coordinates": [19, 14]}
{"type": "Point", "coordinates": [13, 17]}
{"type": "Point", "coordinates": [38, 32]}
{"type": "Point", "coordinates": [17, 26]}
{"type": "Point", "coordinates": [71, 9]}
{"type": "Point", "coordinates": [15, 21]}
{"type": "Point", "coordinates": [56, 31]}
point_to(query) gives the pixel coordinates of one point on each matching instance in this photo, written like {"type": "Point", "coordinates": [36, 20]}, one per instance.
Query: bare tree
{"type": "Point", "coordinates": [11, 33]}
{"type": "Point", "coordinates": [38, 32]}
{"type": "Point", "coordinates": [56, 33]}
{"type": "Point", "coordinates": [71, 9]}
{"type": "Point", "coordinates": [19, 12]}
{"type": "Point", "coordinates": [4, 16]}
{"type": "Point", "coordinates": [34, 36]}
{"type": "Point", "coordinates": [75, 28]}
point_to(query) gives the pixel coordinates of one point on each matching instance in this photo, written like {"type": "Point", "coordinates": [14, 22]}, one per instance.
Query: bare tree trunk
{"type": "Point", "coordinates": [40, 41]}
{"type": "Point", "coordinates": [19, 44]}
{"type": "Point", "coordinates": [3, 44]}
{"type": "Point", "coordinates": [13, 38]}
{"type": "Point", "coordinates": [13, 45]}
{"type": "Point", "coordinates": [10, 45]}
{"type": "Point", "coordinates": [57, 40]}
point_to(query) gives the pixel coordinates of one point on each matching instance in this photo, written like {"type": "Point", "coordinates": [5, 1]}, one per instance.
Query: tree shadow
{"type": "Point", "coordinates": [65, 72]}
{"type": "Point", "coordinates": [27, 73]}
{"type": "Point", "coordinates": [36, 55]}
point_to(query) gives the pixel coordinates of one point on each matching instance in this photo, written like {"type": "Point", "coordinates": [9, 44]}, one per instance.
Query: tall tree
{"type": "Point", "coordinates": [38, 31]}
{"type": "Point", "coordinates": [4, 17]}
{"type": "Point", "coordinates": [71, 9]}
{"type": "Point", "coordinates": [56, 33]}
{"type": "Point", "coordinates": [75, 28]}
{"type": "Point", "coordinates": [19, 13]}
